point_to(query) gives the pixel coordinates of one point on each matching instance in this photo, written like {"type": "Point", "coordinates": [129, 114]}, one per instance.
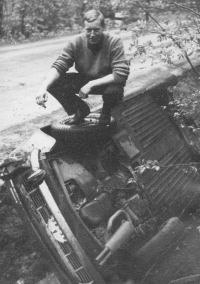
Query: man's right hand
{"type": "Point", "coordinates": [42, 98]}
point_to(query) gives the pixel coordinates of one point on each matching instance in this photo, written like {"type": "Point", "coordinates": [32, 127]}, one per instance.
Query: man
{"type": "Point", "coordinates": [102, 69]}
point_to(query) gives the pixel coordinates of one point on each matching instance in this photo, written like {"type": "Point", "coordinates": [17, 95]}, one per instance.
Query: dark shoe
{"type": "Point", "coordinates": [104, 119]}
{"type": "Point", "coordinates": [80, 115]}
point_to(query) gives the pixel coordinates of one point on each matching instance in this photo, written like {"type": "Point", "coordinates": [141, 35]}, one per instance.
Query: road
{"type": "Point", "coordinates": [22, 70]}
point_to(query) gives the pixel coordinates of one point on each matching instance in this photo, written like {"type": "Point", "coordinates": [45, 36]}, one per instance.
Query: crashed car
{"type": "Point", "coordinates": [105, 201]}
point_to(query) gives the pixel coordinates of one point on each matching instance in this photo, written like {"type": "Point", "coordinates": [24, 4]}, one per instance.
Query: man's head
{"type": "Point", "coordinates": [94, 25]}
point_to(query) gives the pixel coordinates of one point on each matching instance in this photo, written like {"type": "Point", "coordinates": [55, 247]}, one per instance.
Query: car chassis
{"type": "Point", "coordinates": [105, 201]}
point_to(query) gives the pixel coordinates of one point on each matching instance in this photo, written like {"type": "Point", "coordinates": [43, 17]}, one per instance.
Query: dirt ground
{"type": "Point", "coordinates": [22, 70]}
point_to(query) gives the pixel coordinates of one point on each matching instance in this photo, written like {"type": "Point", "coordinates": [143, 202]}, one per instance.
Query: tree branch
{"type": "Point", "coordinates": [180, 67]}
{"type": "Point", "coordinates": [171, 37]}
{"type": "Point", "coordinates": [188, 9]}
{"type": "Point", "coordinates": [150, 16]}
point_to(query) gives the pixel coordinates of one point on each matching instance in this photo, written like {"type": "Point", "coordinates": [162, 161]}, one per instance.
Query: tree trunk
{"type": "Point", "coordinates": [1, 17]}
{"type": "Point", "coordinates": [147, 15]}
{"type": "Point", "coordinates": [22, 24]}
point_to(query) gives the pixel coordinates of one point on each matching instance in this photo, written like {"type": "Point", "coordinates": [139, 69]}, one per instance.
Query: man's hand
{"type": "Point", "coordinates": [42, 98]}
{"type": "Point", "coordinates": [82, 95]}
{"type": "Point", "coordinates": [42, 95]}
{"type": "Point", "coordinates": [85, 90]}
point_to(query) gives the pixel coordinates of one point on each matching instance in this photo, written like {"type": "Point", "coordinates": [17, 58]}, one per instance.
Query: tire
{"type": "Point", "coordinates": [89, 129]}
{"type": "Point", "coordinates": [168, 233]}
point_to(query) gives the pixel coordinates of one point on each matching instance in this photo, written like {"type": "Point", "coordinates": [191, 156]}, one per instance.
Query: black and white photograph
{"type": "Point", "coordinates": [100, 142]}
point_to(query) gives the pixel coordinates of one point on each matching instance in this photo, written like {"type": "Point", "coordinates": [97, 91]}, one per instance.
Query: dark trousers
{"type": "Point", "coordinates": [68, 85]}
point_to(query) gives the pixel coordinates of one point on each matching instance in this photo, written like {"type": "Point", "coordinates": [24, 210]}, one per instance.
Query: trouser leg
{"type": "Point", "coordinates": [65, 90]}
{"type": "Point", "coordinates": [112, 96]}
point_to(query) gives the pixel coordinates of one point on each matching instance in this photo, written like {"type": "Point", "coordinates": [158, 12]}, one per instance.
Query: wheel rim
{"type": "Point", "coordinates": [91, 119]}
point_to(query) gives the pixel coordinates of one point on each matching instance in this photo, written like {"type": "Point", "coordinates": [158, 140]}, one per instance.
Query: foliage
{"type": "Point", "coordinates": [174, 39]}
{"type": "Point", "coordinates": [186, 103]}
{"type": "Point", "coordinates": [20, 257]}
{"type": "Point", "coordinates": [147, 165]}
{"type": "Point", "coordinates": [22, 19]}
{"type": "Point", "coordinates": [171, 33]}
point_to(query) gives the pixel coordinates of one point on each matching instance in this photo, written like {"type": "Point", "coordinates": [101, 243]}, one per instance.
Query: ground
{"type": "Point", "coordinates": [23, 68]}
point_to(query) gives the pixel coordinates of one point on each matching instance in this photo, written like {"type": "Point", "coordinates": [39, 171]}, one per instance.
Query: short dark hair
{"type": "Point", "coordinates": [93, 15]}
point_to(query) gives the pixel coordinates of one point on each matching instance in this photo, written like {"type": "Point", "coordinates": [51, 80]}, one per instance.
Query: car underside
{"type": "Point", "coordinates": [105, 201]}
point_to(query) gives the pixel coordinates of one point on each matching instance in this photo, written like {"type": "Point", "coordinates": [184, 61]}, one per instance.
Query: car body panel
{"type": "Point", "coordinates": [98, 198]}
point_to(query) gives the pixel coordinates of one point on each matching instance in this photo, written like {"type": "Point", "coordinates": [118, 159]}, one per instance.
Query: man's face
{"type": "Point", "coordinates": [93, 31]}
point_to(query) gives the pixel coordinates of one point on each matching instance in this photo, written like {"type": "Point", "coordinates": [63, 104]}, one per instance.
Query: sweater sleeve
{"type": "Point", "coordinates": [66, 59]}
{"type": "Point", "coordinates": [120, 66]}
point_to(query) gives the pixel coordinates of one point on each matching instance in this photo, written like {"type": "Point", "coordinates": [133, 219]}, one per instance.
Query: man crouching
{"type": "Point", "coordinates": [102, 69]}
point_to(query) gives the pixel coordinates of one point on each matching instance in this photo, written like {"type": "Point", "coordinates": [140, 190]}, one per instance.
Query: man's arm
{"type": "Point", "coordinates": [85, 90]}
{"type": "Point", "coordinates": [42, 95]}
{"type": "Point", "coordinates": [120, 65]}
{"type": "Point", "coordinates": [60, 66]}
{"type": "Point", "coordinates": [109, 79]}
{"type": "Point", "coordinates": [120, 69]}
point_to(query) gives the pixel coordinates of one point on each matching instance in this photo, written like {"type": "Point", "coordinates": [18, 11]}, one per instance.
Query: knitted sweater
{"type": "Point", "coordinates": [108, 59]}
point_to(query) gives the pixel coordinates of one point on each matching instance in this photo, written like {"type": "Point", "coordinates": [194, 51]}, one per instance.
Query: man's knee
{"type": "Point", "coordinates": [65, 89]}
{"type": "Point", "coordinates": [113, 93]}
{"type": "Point", "coordinates": [64, 84]}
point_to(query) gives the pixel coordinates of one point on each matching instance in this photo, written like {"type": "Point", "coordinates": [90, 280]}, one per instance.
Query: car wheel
{"type": "Point", "coordinates": [89, 129]}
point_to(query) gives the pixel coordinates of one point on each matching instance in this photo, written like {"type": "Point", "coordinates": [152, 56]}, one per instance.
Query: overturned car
{"type": "Point", "coordinates": [105, 201]}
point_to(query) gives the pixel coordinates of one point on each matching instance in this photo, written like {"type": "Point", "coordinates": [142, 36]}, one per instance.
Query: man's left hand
{"type": "Point", "coordinates": [82, 95]}
{"type": "Point", "coordinates": [85, 90]}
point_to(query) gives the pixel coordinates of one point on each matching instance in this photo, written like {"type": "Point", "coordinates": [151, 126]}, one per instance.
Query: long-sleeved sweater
{"type": "Point", "coordinates": [109, 59]}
